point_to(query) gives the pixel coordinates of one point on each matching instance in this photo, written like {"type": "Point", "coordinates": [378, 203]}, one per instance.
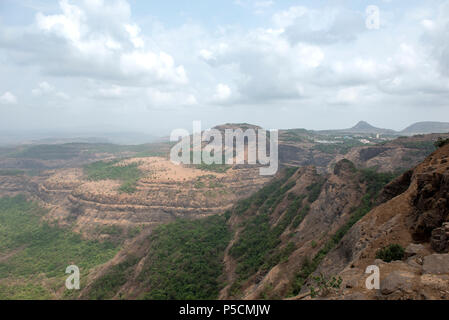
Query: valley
{"type": "Point", "coordinates": [141, 227]}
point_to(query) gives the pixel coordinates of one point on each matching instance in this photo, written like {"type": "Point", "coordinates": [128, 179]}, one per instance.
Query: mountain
{"type": "Point", "coordinates": [298, 233]}
{"type": "Point", "coordinates": [143, 227]}
{"type": "Point", "coordinates": [412, 213]}
{"type": "Point", "coordinates": [362, 127]}
{"type": "Point", "coordinates": [426, 127]}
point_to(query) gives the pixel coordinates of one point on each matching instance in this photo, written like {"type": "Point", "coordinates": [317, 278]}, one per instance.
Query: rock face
{"type": "Point", "coordinates": [415, 215]}
{"type": "Point", "coordinates": [431, 203]}
{"type": "Point", "coordinates": [440, 238]}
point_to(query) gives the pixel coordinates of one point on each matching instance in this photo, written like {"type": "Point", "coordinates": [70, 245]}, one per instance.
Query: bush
{"type": "Point", "coordinates": [441, 142]}
{"type": "Point", "coordinates": [315, 190]}
{"type": "Point", "coordinates": [391, 253]}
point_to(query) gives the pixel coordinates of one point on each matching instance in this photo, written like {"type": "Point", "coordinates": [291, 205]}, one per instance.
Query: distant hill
{"type": "Point", "coordinates": [426, 127]}
{"type": "Point", "coordinates": [362, 127]}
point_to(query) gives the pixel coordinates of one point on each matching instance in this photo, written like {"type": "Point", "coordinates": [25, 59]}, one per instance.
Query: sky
{"type": "Point", "coordinates": [154, 66]}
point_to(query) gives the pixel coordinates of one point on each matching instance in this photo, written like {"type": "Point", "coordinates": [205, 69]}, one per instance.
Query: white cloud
{"type": "Point", "coordinates": [95, 39]}
{"type": "Point", "coordinates": [346, 96]}
{"type": "Point", "coordinates": [43, 88]}
{"type": "Point", "coordinates": [287, 17]}
{"type": "Point", "coordinates": [95, 54]}
{"type": "Point", "coordinates": [310, 56]}
{"type": "Point", "coordinates": [166, 99]}
{"type": "Point", "coordinates": [222, 92]}
{"type": "Point", "coordinates": [160, 66]}
{"type": "Point", "coordinates": [46, 89]}
{"type": "Point", "coordinates": [8, 98]}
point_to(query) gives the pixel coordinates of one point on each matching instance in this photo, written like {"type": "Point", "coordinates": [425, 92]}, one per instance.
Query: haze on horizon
{"type": "Point", "coordinates": [96, 65]}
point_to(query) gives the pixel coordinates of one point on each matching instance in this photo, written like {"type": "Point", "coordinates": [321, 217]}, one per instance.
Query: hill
{"type": "Point", "coordinates": [426, 127]}
{"type": "Point", "coordinates": [361, 127]}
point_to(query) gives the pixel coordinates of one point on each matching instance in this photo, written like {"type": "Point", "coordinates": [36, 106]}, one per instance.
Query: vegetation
{"type": "Point", "coordinates": [323, 287]}
{"type": "Point", "coordinates": [338, 148]}
{"type": "Point", "coordinates": [257, 248]}
{"type": "Point", "coordinates": [49, 152]}
{"type": "Point", "coordinates": [391, 253]}
{"type": "Point", "coordinates": [39, 248]}
{"type": "Point", "coordinates": [128, 174]}
{"type": "Point", "coordinates": [374, 183]}
{"type": "Point", "coordinates": [315, 190]}
{"type": "Point", "coordinates": [257, 245]}
{"type": "Point", "coordinates": [23, 292]}
{"type": "Point", "coordinates": [269, 196]}
{"type": "Point", "coordinates": [425, 146]}
{"type": "Point", "coordinates": [185, 259]}
{"type": "Point", "coordinates": [7, 172]}
{"type": "Point", "coordinates": [107, 285]}
{"type": "Point", "coordinates": [441, 142]}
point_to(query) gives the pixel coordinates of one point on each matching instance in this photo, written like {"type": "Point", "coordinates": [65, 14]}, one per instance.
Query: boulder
{"type": "Point", "coordinates": [414, 249]}
{"type": "Point", "coordinates": [397, 280]}
{"type": "Point", "coordinates": [436, 264]}
{"type": "Point", "coordinates": [439, 240]}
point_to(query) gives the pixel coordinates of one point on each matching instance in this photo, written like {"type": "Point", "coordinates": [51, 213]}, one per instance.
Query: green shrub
{"type": "Point", "coordinates": [42, 249]}
{"type": "Point", "coordinates": [441, 142]}
{"type": "Point", "coordinates": [391, 253]}
{"type": "Point", "coordinates": [107, 285]}
{"type": "Point", "coordinates": [185, 260]}
{"type": "Point", "coordinates": [315, 190]}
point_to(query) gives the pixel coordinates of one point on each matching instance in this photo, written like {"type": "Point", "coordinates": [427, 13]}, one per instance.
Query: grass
{"type": "Point", "coordinates": [39, 248]}
{"type": "Point", "coordinates": [185, 260]}
{"type": "Point", "coordinates": [24, 292]}
{"type": "Point", "coordinates": [129, 174]}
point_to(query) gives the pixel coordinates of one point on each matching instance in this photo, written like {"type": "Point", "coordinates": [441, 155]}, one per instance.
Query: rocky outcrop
{"type": "Point", "coordinates": [416, 219]}
{"type": "Point", "coordinates": [440, 239]}
{"type": "Point", "coordinates": [431, 204]}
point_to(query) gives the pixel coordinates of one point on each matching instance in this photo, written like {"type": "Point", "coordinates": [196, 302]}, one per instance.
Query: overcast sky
{"type": "Point", "coordinates": [153, 66]}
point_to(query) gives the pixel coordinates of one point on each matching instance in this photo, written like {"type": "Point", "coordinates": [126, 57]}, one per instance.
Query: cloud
{"type": "Point", "coordinates": [8, 98]}
{"type": "Point", "coordinates": [222, 92]}
{"type": "Point", "coordinates": [324, 26]}
{"type": "Point", "coordinates": [46, 89]}
{"type": "Point", "coordinates": [346, 96]}
{"type": "Point", "coordinates": [95, 57]}
{"type": "Point", "coordinates": [43, 88]}
{"type": "Point", "coordinates": [95, 39]}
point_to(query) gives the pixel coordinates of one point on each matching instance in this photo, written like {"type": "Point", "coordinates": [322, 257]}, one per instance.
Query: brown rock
{"type": "Point", "coordinates": [440, 240]}
{"type": "Point", "coordinates": [436, 264]}
{"type": "Point", "coordinates": [397, 280]}
{"type": "Point", "coordinates": [414, 249]}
